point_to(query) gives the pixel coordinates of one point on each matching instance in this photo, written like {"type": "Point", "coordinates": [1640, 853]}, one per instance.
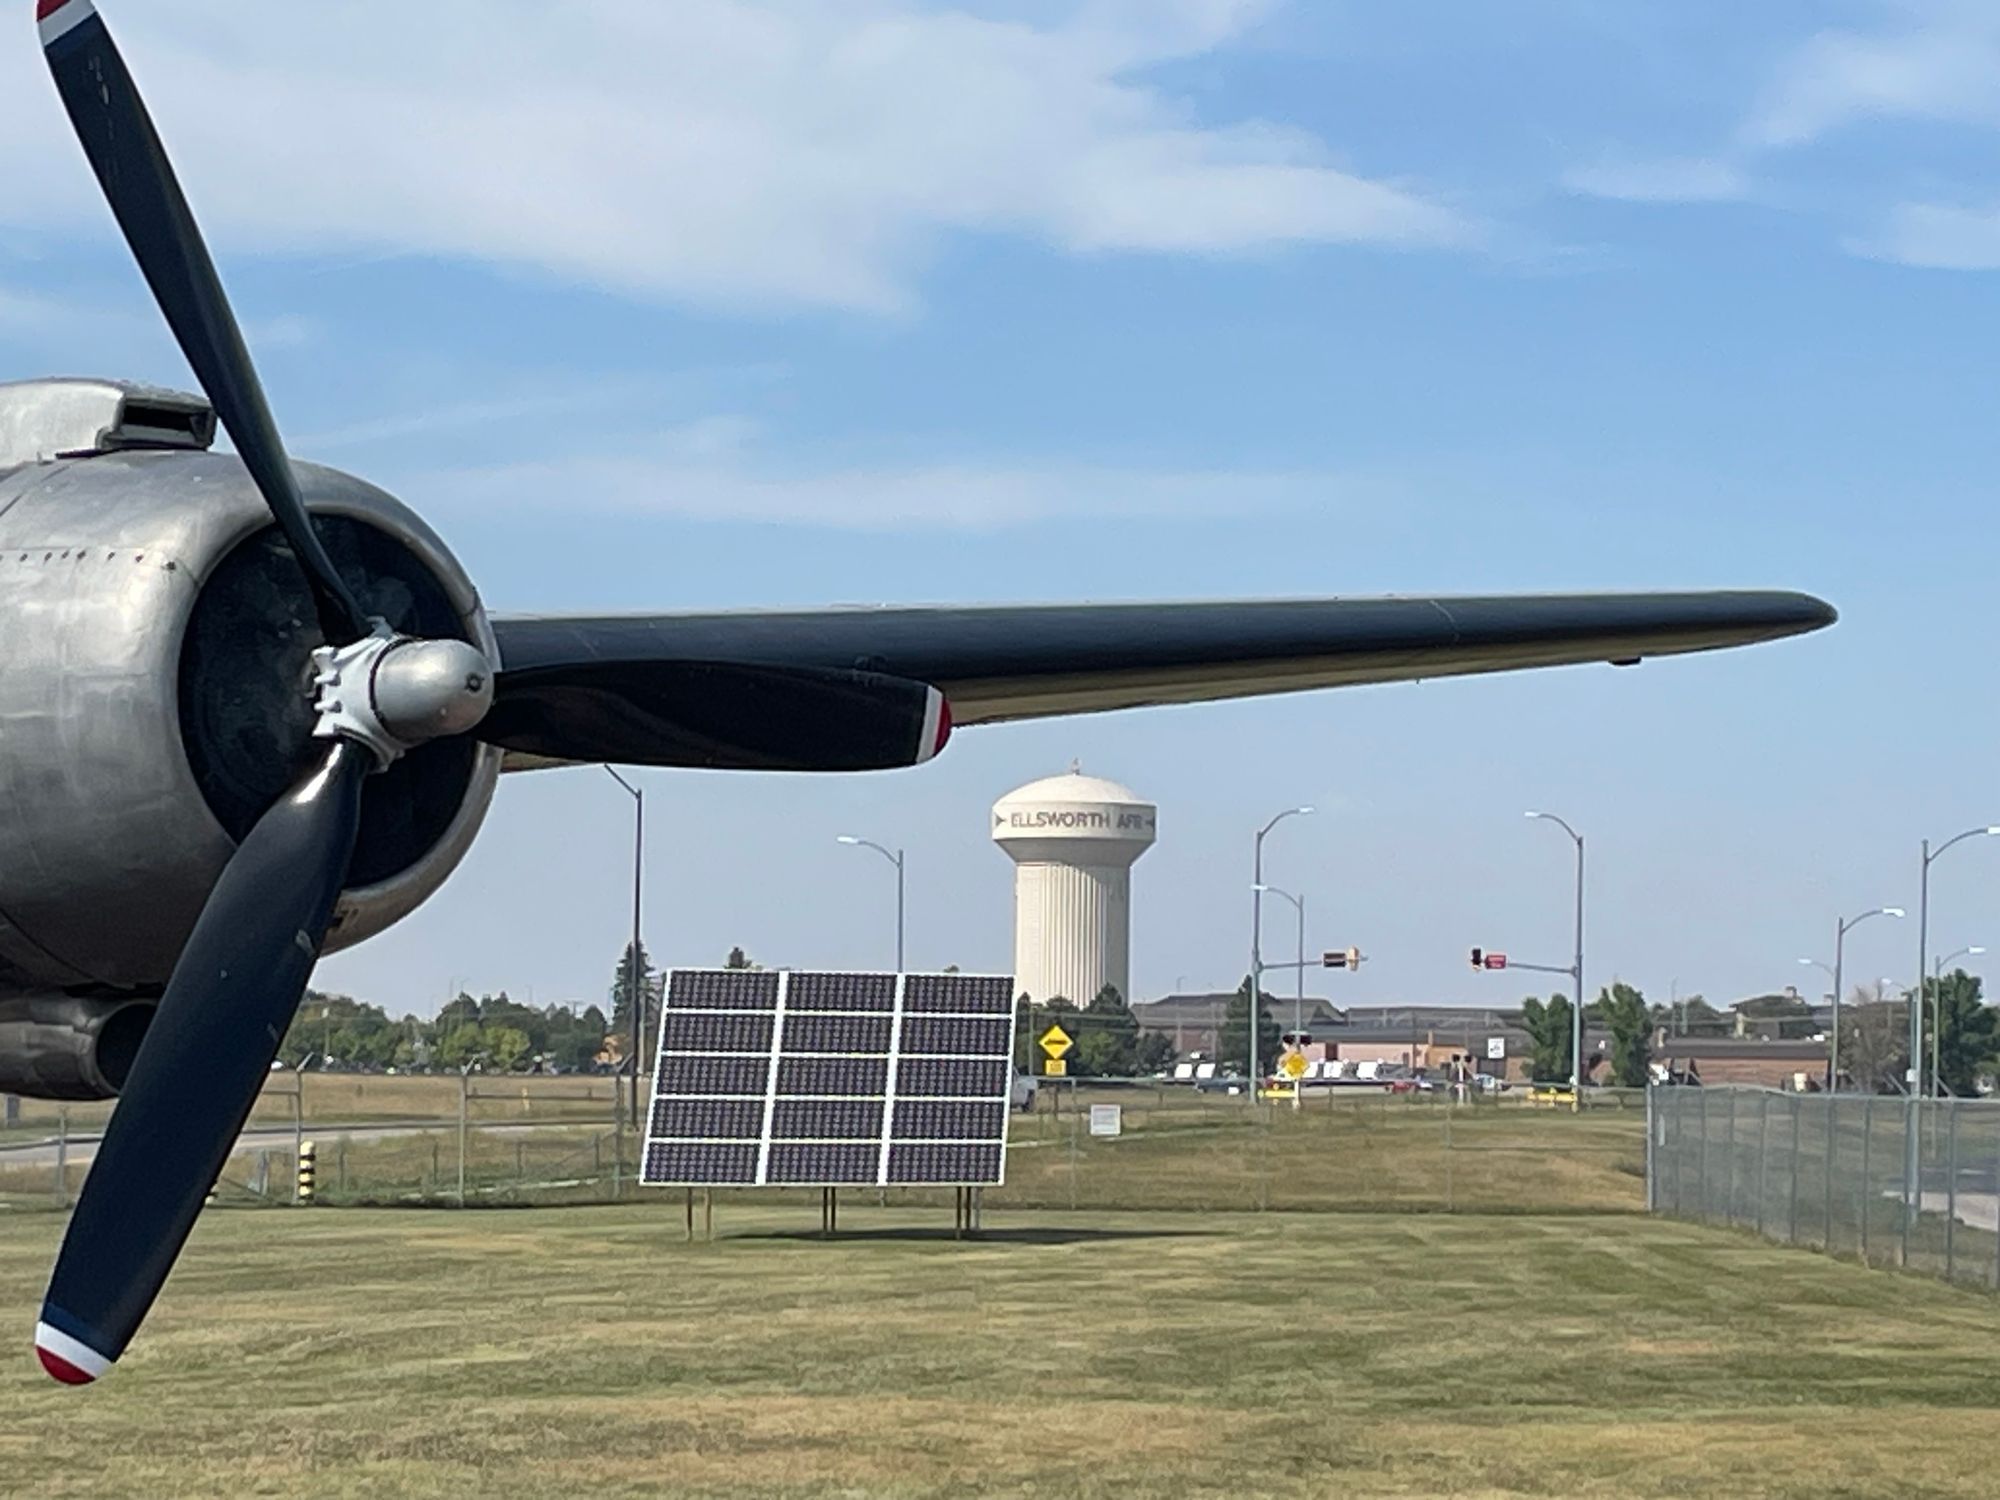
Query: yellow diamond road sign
{"type": "Point", "coordinates": [1293, 1065]}
{"type": "Point", "coordinates": [1055, 1041]}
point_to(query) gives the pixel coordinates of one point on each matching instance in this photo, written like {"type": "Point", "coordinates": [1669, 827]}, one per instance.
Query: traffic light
{"type": "Point", "coordinates": [1353, 958]}
{"type": "Point", "coordinates": [1478, 958]}
{"type": "Point", "coordinates": [1339, 959]}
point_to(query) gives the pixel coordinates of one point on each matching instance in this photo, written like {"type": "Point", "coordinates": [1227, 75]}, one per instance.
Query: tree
{"type": "Point", "coordinates": [1548, 1027]}
{"type": "Point", "coordinates": [508, 1046]}
{"type": "Point", "coordinates": [621, 1004]}
{"type": "Point", "coordinates": [1235, 1043]}
{"type": "Point", "coordinates": [1968, 1030]}
{"type": "Point", "coordinates": [1623, 1011]}
{"type": "Point", "coordinates": [1875, 1039]}
{"type": "Point", "coordinates": [738, 959]}
{"type": "Point", "coordinates": [1108, 1044]}
{"type": "Point", "coordinates": [1154, 1054]}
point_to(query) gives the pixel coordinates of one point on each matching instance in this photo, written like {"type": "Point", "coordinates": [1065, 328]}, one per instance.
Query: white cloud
{"type": "Point", "coordinates": [1663, 180]}
{"type": "Point", "coordinates": [1940, 61]}
{"type": "Point", "coordinates": [813, 152]}
{"type": "Point", "coordinates": [1938, 236]}
{"type": "Point", "coordinates": [719, 469]}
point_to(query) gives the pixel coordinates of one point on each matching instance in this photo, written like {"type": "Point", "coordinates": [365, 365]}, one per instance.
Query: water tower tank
{"type": "Point", "coordinates": [1073, 840]}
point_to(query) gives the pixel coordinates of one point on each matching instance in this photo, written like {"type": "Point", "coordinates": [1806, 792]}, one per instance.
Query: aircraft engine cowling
{"type": "Point", "coordinates": [155, 697]}
{"type": "Point", "coordinates": [69, 1046]}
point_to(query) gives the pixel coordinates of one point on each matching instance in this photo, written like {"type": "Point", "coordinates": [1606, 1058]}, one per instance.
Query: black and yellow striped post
{"type": "Point", "coordinates": [308, 1168]}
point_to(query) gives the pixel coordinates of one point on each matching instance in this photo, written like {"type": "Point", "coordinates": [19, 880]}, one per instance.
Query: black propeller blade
{"type": "Point", "coordinates": [720, 715]}
{"type": "Point", "coordinates": [198, 1072]}
{"type": "Point", "coordinates": [131, 165]}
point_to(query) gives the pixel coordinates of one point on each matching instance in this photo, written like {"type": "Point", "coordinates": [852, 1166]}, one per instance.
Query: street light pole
{"type": "Point", "coordinates": [1912, 1130]}
{"type": "Point", "coordinates": [1840, 931]}
{"type": "Point", "coordinates": [1299, 1000]}
{"type": "Point", "coordinates": [1576, 1012]}
{"type": "Point", "coordinates": [635, 976]}
{"type": "Point", "coordinates": [895, 858]}
{"type": "Point", "coordinates": [1257, 936]}
{"type": "Point", "coordinates": [1923, 948]}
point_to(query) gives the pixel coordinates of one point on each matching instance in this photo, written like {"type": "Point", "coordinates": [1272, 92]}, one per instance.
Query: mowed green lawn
{"type": "Point", "coordinates": [591, 1352]}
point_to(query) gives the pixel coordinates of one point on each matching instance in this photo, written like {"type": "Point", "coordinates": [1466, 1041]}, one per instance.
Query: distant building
{"type": "Point", "coordinates": [1193, 1023]}
{"type": "Point", "coordinates": [1768, 1061]}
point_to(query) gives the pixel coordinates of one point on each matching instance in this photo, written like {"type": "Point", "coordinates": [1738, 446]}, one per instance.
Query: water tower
{"type": "Point", "coordinates": [1073, 840]}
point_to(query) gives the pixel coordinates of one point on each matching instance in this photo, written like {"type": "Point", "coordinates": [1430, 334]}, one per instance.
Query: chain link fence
{"type": "Point", "coordinates": [488, 1139]}
{"type": "Point", "coordinates": [1888, 1180]}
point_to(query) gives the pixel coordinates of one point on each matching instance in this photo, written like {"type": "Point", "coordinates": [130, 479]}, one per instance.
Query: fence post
{"type": "Point", "coordinates": [1448, 1203]}
{"type": "Point", "coordinates": [1729, 1180]}
{"type": "Point", "coordinates": [1701, 1163]}
{"type": "Point", "coordinates": [1951, 1184]}
{"type": "Point", "coordinates": [1832, 1151]}
{"type": "Point", "coordinates": [1867, 1146]}
{"type": "Point", "coordinates": [303, 1192]}
{"type": "Point", "coordinates": [1792, 1218]}
{"type": "Point", "coordinates": [464, 1108]}
{"type": "Point", "coordinates": [1763, 1142]}
{"type": "Point", "coordinates": [1652, 1185]}
{"type": "Point", "coordinates": [1913, 1170]}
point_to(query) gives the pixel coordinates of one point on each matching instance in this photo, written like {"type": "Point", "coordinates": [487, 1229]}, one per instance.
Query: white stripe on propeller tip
{"type": "Point", "coordinates": [937, 725]}
{"type": "Point", "coordinates": [58, 18]}
{"type": "Point", "coordinates": [69, 1360]}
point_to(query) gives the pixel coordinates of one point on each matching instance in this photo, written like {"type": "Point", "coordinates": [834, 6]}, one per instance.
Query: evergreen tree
{"type": "Point", "coordinates": [1968, 1031]}
{"type": "Point", "coordinates": [1235, 1041]}
{"type": "Point", "coordinates": [622, 986]}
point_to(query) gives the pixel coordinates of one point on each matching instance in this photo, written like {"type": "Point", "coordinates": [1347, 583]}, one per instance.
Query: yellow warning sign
{"type": "Point", "coordinates": [1293, 1064]}
{"type": "Point", "coordinates": [1055, 1042]}
{"type": "Point", "coordinates": [1055, 1067]}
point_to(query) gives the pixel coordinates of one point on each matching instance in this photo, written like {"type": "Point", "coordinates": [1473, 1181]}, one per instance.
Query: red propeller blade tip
{"type": "Point", "coordinates": [69, 1360]}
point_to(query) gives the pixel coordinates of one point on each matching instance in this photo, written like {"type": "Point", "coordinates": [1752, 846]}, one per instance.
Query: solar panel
{"type": "Point", "coordinates": [831, 1079]}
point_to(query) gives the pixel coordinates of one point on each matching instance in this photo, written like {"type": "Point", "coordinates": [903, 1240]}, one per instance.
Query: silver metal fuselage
{"type": "Point", "coordinates": [108, 846]}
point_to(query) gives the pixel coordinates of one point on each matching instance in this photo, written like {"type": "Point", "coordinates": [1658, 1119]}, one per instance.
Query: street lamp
{"type": "Point", "coordinates": [1257, 935]}
{"type": "Point", "coordinates": [1840, 932]}
{"type": "Point", "coordinates": [1923, 955]}
{"type": "Point", "coordinates": [1576, 1014]}
{"type": "Point", "coordinates": [1937, 1010]}
{"type": "Point", "coordinates": [635, 976]}
{"type": "Point", "coordinates": [895, 858]}
{"type": "Point", "coordinates": [1299, 1001]}
{"type": "Point", "coordinates": [1913, 1129]}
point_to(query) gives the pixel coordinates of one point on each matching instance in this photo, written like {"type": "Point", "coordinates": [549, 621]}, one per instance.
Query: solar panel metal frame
{"type": "Point", "coordinates": [733, 1005]}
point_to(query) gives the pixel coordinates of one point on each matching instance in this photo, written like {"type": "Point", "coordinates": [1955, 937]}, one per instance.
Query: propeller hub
{"type": "Point", "coordinates": [425, 690]}
{"type": "Point", "coordinates": [393, 693]}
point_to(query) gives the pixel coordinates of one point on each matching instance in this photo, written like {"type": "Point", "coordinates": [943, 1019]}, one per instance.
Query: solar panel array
{"type": "Point", "coordinates": [831, 1080]}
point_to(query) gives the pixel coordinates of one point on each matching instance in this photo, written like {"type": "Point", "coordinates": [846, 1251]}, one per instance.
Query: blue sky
{"type": "Point", "coordinates": [720, 304]}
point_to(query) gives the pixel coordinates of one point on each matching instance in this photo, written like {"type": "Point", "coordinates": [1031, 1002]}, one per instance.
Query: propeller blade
{"type": "Point", "coordinates": [138, 181]}
{"type": "Point", "coordinates": [199, 1069]}
{"type": "Point", "coordinates": [720, 715]}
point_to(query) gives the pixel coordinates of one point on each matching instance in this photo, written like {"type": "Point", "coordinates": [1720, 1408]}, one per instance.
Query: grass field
{"type": "Point", "coordinates": [592, 1352]}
